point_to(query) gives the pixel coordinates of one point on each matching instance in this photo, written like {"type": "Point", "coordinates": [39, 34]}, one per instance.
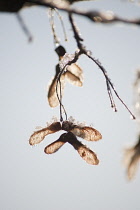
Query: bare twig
{"type": "Point", "coordinates": [113, 105]}
{"type": "Point", "coordinates": [51, 18]}
{"type": "Point", "coordinates": [62, 24]}
{"type": "Point", "coordinates": [77, 54]}
{"type": "Point", "coordinates": [94, 16]}
{"type": "Point", "coordinates": [76, 32]}
{"type": "Point", "coordinates": [60, 99]}
{"type": "Point", "coordinates": [82, 50]}
{"type": "Point", "coordinates": [24, 27]}
{"type": "Point", "coordinates": [110, 84]}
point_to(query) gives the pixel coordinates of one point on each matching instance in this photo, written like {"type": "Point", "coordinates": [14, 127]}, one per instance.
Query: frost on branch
{"type": "Point", "coordinates": [65, 60]}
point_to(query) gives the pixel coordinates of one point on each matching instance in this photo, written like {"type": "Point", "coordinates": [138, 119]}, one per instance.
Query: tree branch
{"type": "Point", "coordinates": [94, 16]}
{"type": "Point", "coordinates": [83, 50]}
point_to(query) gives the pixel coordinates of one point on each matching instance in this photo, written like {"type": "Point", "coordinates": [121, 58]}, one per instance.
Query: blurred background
{"type": "Point", "coordinates": [29, 178]}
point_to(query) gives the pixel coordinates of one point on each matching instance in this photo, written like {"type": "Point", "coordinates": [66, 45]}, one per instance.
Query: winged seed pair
{"type": "Point", "coordinates": [73, 130]}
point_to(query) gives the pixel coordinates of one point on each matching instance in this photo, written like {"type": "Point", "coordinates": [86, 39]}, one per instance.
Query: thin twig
{"type": "Point", "coordinates": [94, 16]}
{"type": "Point", "coordinates": [113, 105]}
{"type": "Point", "coordinates": [82, 50]}
{"type": "Point", "coordinates": [76, 32]}
{"type": "Point", "coordinates": [60, 98]}
{"type": "Point", "coordinates": [77, 54]}
{"type": "Point", "coordinates": [24, 27]}
{"type": "Point", "coordinates": [62, 24]}
{"type": "Point", "coordinates": [51, 18]}
{"type": "Point", "coordinates": [111, 84]}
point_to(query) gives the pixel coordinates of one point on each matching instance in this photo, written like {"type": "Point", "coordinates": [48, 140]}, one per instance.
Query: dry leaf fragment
{"type": "Point", "coordinates": [39, 135]}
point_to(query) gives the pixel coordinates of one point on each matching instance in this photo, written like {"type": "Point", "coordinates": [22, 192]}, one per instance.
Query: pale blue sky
{"type": "Point", "coordinates": [29, 178]}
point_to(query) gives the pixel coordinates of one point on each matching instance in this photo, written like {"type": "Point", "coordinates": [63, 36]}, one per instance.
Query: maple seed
{"type": "Point", "coordinates": [72, 73]}
{"type": "Point", "coordinates": [88, 155]}
{"type": "Point", "coordinates": [39, 135]}
{"type": "Point", "coordinates": [85, 132]}
{"type": "Point", "coordinates": [56, 145]}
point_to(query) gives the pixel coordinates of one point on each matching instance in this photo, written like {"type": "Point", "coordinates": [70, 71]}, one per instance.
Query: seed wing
{"type": "Point", "coordinates": [52, 94]}
{"type": "Point", "coordinates": [55, 146]}
{"type": "Point", "coordinates": [133, 166]}
{"type": "Point", "coordinates": [39, 135]}
{"type": "Point", "coordinates": [88, 155]}
{"type": "Point", "coordinates": [74, 80]}
{"type": "Point", "coordinates": [131, 161]}
{"type": "Point", "coordinates": [87, 133]}
{"type": "Point", "coordinates": [74, 75]}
